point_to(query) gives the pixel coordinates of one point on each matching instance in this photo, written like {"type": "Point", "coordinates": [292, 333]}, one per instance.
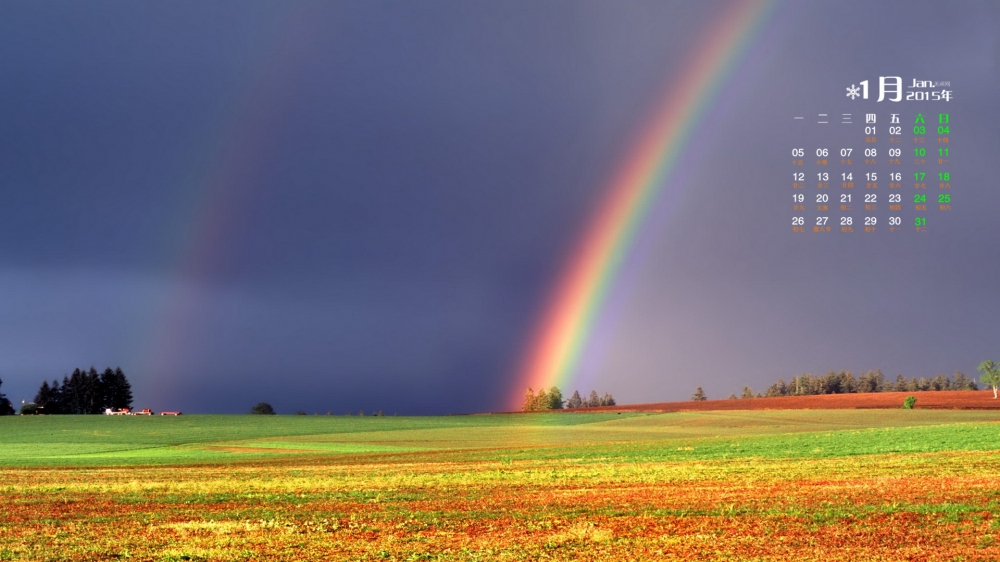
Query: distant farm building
{"type": "Point", "coordinates": [143, 412]}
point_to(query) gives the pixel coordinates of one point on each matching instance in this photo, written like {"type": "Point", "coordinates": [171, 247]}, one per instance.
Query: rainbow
{"type": "Point", "coordinates": [569, 320]}
{"type": "Point", "coordinates": [213, 196]}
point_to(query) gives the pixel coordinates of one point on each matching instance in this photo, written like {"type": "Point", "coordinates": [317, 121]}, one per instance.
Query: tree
{"type": "Point", "coordinates": [594, 400]}
{"type": "Point", "coordinates": [264, 409]}
{"type": "Point", "coordinates": [901, 383]}
{"type": "Point", "coordinates": [555, 401]}
{"type": "Point", "coordinates": [92, 398]}
{"type": "Point", "coordinates": [747, 392]}
{"type": "Point", "coordinates": [991, 374]}
{"type": "Point", "coordinates": [940, 382]}
{"type": "Point", "coordinates": [607, 400]}
{"type": "Point", "coordinates": [808, 384]}
{"type": "Point", "coordinates": [43, 396]}
{"type": "Point", "coordinates": [797, 388]}
{"type": "Point", "coordinates": [845, 383]}
{"type": "Point", "coordinates": [779, 388]}
{"type": "Point", "coordinates": [86, 392]}
{"type": "Point", "coordinates": [732, 396]}
{"type": "Point", "coordinates": [546, 400]}
{"type": "Point", "coordinates": [118, 391]}
{"type": "Point", "coordinates": [574, 401]}
{"type": "Point", "coordinates": [962, 382]}
{"type": "Point", "coordinates": [53, 405]}
{"type": "Point", "coordinates": [6, 408]}
{"type": "Point", "coordinates": [698, 395]}
{"type": "Point", "coordinates": [529, 401]}
{"type": "Point", "coordinates": [871, 381]}
{"type": "Point", "coordinates": [71, 393]}
{"type": "Point", "coordinates": [541, 400]}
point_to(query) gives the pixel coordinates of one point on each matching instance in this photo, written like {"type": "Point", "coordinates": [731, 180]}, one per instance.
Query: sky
{"type": "Point", "coordinates": [343, 206]}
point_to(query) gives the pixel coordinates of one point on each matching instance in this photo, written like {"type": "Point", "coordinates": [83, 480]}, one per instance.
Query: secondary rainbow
{"type": "Point", "coordinates": [568, 321]}
{"type": "Point", "coordinates": [215, 194]}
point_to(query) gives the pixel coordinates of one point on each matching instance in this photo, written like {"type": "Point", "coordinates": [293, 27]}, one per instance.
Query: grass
{"type": "Point", "coordinates": [109, 440]}
{"type": "Point", "coordinates": [742, 485]}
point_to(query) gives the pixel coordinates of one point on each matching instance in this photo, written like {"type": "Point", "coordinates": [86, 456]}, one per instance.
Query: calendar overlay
{"type": "Point", "coordinates": [875, 165]}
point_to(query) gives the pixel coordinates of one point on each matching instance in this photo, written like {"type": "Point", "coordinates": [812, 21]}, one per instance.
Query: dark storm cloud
{"type": "Point", "coordinates": [419, 173]}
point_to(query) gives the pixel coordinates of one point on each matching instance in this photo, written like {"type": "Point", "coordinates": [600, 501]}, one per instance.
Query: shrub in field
{"type": "Point", "coordinates": [908, 402]}
{"type": "Point", "coordinates": [262, 409]}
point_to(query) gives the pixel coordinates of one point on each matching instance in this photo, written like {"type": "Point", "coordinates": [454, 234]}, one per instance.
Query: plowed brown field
{"type": "Point", "coordinates": [935, 399]}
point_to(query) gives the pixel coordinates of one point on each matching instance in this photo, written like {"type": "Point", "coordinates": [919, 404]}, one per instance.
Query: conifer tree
{"type": "Point", "coordinates": [698, 395]}
{"type": "Point", "coordinates": [43, 396]}
{"type": "Point", "coordinates": [594, 400]}
{"type": "Point", "coordinates": [6, 408]}
{"type": "Point", "coordinates": [86, 392]}
{"type": "Point", "coordinates": [962, 382]}
{"type": "Point", "coordinates": [92, 398]}
{"type": "Point", "coordinates": [117, 392]}
{"type": "Point", "coordinates": [555, 401]}
{"type": "Point", "coordinates": [529, 401]}
{"type": "Point", "coordinates": [574, 401]}
{"type": "Point", "coordinates": [541, 400]}
{"type": "Point", "coordinates": [901, 383]}
{"type": "Point", "coordinates": [72, 390]}
{"type": "Point", "coordinates": [124, 396]}
{"type": "Point", "coordinates": [54, 404]}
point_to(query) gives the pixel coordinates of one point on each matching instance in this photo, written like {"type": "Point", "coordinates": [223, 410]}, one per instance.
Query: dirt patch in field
{"type": "Point", "coordinates": [254, 449]}
{"type": "Point", "coordinates": [939, 400]}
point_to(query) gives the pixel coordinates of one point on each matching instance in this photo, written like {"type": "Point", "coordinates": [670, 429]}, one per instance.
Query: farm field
{"type": "Point", "coordinates": [849, 484]}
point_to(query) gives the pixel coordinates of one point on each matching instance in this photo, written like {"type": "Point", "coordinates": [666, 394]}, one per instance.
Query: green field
{"type": "Point", "coordinates": [108, 440]}
{"type": "Point", "coordinates": [737, 485]}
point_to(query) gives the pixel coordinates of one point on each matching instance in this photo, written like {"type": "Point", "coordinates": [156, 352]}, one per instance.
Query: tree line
{"type": "Point", "coordinates": [844, 382]}
{"type": "Point", "coordinates": [83, 392]}
{"type": "Point", "coordinates": [6, 408]}
{"type": "Point", "coordinates": [553, 400]}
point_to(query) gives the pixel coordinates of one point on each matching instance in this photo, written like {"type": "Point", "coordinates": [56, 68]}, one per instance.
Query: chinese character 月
{"type": "Point", "coordinates": [896, 87]}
